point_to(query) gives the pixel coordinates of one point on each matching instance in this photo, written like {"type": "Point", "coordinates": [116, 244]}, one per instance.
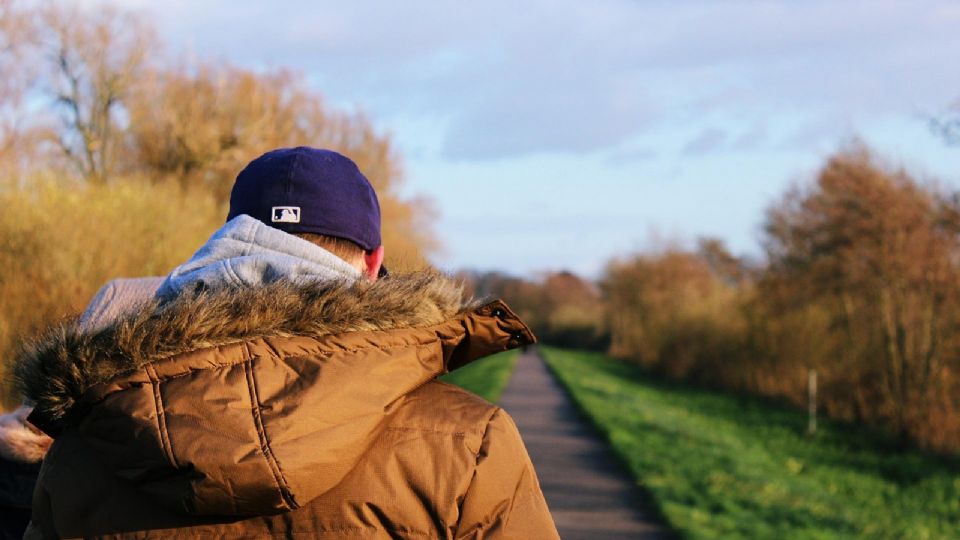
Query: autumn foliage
{"type": "Point", "coordinates": [860, 282]}
{"type": "Point", "coordinates": [878, 255]}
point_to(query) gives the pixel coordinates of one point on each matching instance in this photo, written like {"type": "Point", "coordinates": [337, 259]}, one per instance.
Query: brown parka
{"type": "Point", "coordinates": [286, 411]}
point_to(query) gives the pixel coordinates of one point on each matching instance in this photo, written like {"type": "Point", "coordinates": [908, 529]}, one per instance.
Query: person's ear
{"type": "Point", "coordinates": [373, 260]}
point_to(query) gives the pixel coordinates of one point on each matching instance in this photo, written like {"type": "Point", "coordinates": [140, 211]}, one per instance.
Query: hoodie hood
{"type": "Point", "coordinates": [245, 401]}
{"type": "Point", "coordinates": [245, 252]}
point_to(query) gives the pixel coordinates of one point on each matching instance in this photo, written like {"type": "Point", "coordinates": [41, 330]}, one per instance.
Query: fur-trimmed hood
{"type": "Point", "coordinates": [165, 394]}
{"type": "Point", "coordinates": [55, 369]}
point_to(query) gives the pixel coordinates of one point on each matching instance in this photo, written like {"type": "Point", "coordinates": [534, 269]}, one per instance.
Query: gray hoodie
{"type": "Point", "coordinates": [243, 253]}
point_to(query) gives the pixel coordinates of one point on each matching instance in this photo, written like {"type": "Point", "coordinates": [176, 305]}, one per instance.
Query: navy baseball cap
{"type": "Point", "coordinates": [309, 190]}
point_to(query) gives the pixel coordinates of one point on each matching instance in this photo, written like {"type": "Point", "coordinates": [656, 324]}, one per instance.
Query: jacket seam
{"type": "Point", "coordinates": [161, 417]}
{"type": "Point", "coordinates": [365, 347]}
{"type": "Point", "coordinates": [250, 356]}
{"type": "Point", "coordinates": [427, 430]}
{"type": "Point", "coordinates": [486, 428]}
{"type": "Point", "coordinates": [276, 353]}
{"type": "Point", "coordinates": [473, 473]}
{"type": "Point", "coordinates": [269, 456]}
{"type": "Point", "coordinates": [340, 530]}
{"type": "Point", "coordinates": [192, 370]}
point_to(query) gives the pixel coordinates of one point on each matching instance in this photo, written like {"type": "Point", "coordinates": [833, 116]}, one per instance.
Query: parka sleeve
{"type": "Point", "coordinates": [504, 498]}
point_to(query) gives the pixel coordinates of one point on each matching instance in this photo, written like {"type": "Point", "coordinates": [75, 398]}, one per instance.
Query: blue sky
{"type": "Point", "coordinates": [558, 134]}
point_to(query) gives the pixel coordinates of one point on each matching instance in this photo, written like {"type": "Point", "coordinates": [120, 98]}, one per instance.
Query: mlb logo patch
{"type": "Point", "coordinates": [286, 214]}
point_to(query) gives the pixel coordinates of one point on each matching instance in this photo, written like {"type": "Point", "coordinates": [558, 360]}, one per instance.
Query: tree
{"type": "Point", "coordinates": [880, 252]}
{"type": "Point", "coordinates": [198, 126]}
{"type": "Point", "coordinates": [17, 77]}
{"type": "Point", "coordinates": [96, 60]}
{"type": "Point", "coordinates": [723, 263]}
{"type": "Point", "coordinates": [672, 312]}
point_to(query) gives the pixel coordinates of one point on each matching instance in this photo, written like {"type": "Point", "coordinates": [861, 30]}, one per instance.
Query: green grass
{"type": "Point", "coordinates": [720, 466]}
{"type": "Point", "coordinates": [486, 377]}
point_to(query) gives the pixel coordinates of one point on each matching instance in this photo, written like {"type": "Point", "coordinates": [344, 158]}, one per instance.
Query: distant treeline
{"type": "Point", "coordinates": [860, 281]}
{"type": "Point", "coordinates": [116, 160]}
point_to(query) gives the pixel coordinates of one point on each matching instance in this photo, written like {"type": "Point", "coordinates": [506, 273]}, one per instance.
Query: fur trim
{"type": "Point", "coordinates": [19, 441]}
{"type": "Point", "coordinates": [57, 368]}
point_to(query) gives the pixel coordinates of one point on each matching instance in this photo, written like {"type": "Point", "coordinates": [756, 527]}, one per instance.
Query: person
{"type": "Point", "coordinates": [21, 448]}
{"type": "Point", "coordinates": [281, 384]}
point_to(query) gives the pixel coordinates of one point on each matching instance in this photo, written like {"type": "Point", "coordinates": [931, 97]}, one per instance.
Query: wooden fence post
{"type": "Point", "coordinates": [812, 401]}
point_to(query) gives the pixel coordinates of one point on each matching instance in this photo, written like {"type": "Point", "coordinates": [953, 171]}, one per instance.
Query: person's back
{"type": "Point", "coordinates": [343, 425]}
{"type": "Point", "coordinates": [279, 407]}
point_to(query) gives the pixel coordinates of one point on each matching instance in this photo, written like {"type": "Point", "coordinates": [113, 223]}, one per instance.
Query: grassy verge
{"type": "Point", "coordinates": [726, 467]}
{"type": "Point", "coordinates": [486, 377]}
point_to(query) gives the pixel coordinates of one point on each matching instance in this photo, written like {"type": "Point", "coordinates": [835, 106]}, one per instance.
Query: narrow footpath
{"type": "Point", "coordinates": [590, 494]}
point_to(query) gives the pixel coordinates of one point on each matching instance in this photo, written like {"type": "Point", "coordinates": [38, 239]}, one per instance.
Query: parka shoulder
{"type": "Point", "coordinates": [444, 407]}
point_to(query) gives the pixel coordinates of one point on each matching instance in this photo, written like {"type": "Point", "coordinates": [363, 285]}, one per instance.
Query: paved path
{"type": "Point", "coordinates": [589, 493]}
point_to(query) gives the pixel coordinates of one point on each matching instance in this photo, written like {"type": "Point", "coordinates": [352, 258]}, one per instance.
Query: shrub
{"type": "Point", "coordinates": [61, 240]}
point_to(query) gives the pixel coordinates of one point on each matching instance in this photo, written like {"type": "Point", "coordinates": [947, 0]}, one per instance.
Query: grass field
{"type": "Point", "coordinates": [726, 467]}
{"type": "Point", "coordinates": [486, 377]}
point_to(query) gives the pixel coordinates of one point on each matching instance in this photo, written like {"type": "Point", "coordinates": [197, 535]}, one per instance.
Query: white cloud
{"type": "Point", "coordinates": [510, 78]}
{"type": "Point", "coordinates": [708, 140]}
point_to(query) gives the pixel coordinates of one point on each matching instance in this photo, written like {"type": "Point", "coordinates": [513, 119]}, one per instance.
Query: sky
{"type": "Point", "coordinates": [559, 134]}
